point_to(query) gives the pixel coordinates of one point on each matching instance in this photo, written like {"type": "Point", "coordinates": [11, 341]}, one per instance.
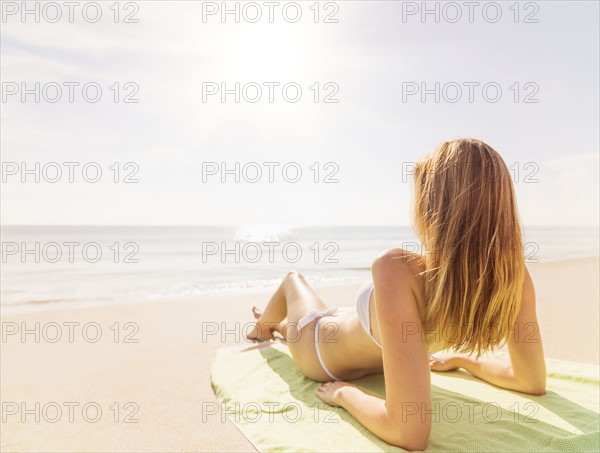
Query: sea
{"type": "Point", "coordinates": [49, 267]}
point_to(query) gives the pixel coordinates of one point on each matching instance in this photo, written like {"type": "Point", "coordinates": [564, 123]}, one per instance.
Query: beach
{"type": "Point", "coordinates": [136, 376]}
{"type": "Point", "coordinates": [165, 164]}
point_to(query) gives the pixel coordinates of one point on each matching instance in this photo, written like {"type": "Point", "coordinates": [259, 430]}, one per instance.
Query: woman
{"type": "Point", "coordinates": [469, 291]}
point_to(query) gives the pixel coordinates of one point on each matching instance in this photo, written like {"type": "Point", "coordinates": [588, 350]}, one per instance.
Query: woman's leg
{"type": "Point", "coordinates": [293, 299]}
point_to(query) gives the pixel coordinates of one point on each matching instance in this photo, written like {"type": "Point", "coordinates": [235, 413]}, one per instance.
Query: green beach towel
{"type": "Point", "coordinates": [274, 405]}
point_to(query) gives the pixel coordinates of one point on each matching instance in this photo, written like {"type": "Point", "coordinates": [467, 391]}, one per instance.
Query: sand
{"type": "Point", "coordinates": [155, 394]}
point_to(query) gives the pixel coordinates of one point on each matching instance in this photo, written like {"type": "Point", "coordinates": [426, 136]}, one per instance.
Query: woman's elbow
{"type": "Point", "coordinates": [531, 385]}
{"type": "Point", "coordinates": [410, 428]}
{"type": "Point", "coordinates": [537, 391]}
{"type": "Point", "coordinates": [411, 439]}
{"type": "Point", "coordinates": [413, 444]}
{"type": "Point", "coordinates": [538, 387]}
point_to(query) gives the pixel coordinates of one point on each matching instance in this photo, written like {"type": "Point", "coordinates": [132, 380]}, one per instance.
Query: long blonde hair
{"type": "Point", "coordinates": [467, 220]}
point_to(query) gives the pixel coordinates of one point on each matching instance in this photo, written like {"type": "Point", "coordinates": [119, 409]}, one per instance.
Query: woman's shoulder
{"type": "Point", "coordinates": [399, 260]}
{"type": "Point", "coordinates": [400, 267]}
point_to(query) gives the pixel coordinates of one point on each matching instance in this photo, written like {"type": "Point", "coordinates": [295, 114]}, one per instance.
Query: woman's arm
{"type": "Point", "coordinates": [526, 370]}
{"type": "Point", "coordinates": [404, 417]}
{"type": "Point", "coordinates": [369, 410]}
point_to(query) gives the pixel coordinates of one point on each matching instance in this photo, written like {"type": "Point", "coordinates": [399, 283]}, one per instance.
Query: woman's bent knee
{"type": "Point", "coordinates": [293, 275]}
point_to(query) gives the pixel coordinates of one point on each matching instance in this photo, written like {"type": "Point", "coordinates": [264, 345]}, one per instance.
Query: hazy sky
{"type": "Point", "coordinates": [368, 61]}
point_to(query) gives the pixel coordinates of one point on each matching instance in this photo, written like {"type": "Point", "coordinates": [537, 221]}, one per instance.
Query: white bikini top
{"type": "Point", "coordinates": [363, 299]}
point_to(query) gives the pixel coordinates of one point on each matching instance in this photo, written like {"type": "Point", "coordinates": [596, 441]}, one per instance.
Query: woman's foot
{"type": "Point", "coordinates": [259, 333]}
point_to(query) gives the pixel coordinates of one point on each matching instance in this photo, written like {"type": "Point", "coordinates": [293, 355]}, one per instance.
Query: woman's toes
{"type": "Point", "coordinates": [256, 312]}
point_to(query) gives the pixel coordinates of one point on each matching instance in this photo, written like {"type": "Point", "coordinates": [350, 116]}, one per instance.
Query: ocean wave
{"type": "Point", "coordinates": [142, 294]}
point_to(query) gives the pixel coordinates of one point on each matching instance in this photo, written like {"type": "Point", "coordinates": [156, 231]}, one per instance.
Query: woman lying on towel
{"type": "Point", "coordinates": [470, 291]}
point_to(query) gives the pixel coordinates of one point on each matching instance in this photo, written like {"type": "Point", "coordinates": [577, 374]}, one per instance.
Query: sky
{"type": "Point", "coordinates": [354, 154]}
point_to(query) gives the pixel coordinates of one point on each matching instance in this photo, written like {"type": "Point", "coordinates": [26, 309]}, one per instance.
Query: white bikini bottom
{"type": "Point", "coordinates": [310, 317]}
